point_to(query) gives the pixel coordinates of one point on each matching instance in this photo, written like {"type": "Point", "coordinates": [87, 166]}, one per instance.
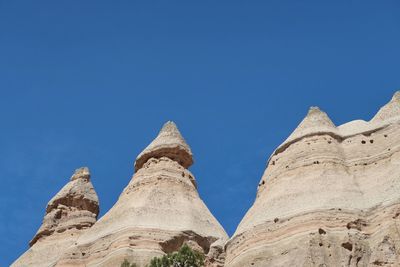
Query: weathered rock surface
{"type": "Point", "coordinates": [157, 213]}
{"type": "Point", "coordinates": [69, 213]}
{"type": "Point", "coordinates": [330, 196]}
{"type": "Point", "coordinates": [169, 143]}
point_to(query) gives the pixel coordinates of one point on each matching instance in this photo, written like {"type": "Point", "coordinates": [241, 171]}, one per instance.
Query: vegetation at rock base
{"type": "Point", "coordinates": [185, 257]}
{"type": "Point", "coordinates": [126, 263]}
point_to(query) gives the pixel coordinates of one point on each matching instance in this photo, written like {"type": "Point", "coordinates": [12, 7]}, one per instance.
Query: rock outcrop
{"type": "Point", "coordinates": [158, 212]}
{"type": "Point", "coordinates": [68, 214]}
{"type": "Point", "coordinates": [330, 196]}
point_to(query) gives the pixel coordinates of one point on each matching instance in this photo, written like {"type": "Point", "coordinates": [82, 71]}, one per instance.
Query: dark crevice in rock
{"type": "Point", "coordinates": [348, 246]}
{"type": "Point", "coordinates": [175, 243]}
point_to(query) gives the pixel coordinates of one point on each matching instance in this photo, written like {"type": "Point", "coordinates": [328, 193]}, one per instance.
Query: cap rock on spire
{"type": "Point", "coordinates": [169, 143]}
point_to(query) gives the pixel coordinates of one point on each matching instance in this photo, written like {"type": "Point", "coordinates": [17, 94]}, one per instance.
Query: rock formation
{"type": "Point", "coordinates": [157, 213]}
{"type": "Point", "coordinates": [69, 213]}
{"type": "Point", "coordinates": [330, 196]}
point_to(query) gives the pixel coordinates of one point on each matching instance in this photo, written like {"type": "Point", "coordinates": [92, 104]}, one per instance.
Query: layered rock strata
{"type": "Point", "coordinates": [157, 213]}
{"type": "Point", "coordinates": [330, 196]}
{"type": "Point", "coordinates": [68, 214]}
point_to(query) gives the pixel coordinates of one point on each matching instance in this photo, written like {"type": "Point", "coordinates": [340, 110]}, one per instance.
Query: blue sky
{"type": "Point", "coordinates": [89, 83]}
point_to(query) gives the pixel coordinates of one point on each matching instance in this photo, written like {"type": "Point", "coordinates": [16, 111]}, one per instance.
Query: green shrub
{"type": "Point", "coordinates": [185, 257]}
{"type": "Point", "coordinates": [126, 263]}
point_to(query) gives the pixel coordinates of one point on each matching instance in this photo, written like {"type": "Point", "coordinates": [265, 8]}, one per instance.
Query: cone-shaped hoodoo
{"type": "Point", "coordinates": [329, 197]}
{"type": "Point", "coordinates": [158, 212]}
{"type": "Point", "coordinates": [68, 214]}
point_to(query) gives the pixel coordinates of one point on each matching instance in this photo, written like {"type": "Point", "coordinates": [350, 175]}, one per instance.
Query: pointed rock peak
{"type": "Point", "coordinates": [169, 143]}
{"type": "Point", "coordinates": [389, 111]}
{"type": "Point", "coordinates": [75, 206]}
{"type": "Point", "coordinates": [81, 173]}
{"type": "Point", "coordinates": [315, 120]}
{"type": "Point", "coordinates": [170, 127]}
{"type": "Point", "coordinates": [313, 109]}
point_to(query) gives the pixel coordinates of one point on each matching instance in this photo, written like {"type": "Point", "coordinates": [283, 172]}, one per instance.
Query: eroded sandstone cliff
{"type": "Point", "coordinates": [330, 196]}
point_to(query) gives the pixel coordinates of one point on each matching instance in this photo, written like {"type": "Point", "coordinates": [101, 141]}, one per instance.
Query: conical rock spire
{"type": "Point", "coordinates": [328, 197]}
{"type": "Point", "coordinates": [315, 122]}
{"type": "Point", "coordinates": [76, 205]}
{"type": "Point", "coordinates": [169, 143]}
{"type": "Point", "coordinates": [72, 210]}
{"type": "Point", "coordinates": [158, 212]}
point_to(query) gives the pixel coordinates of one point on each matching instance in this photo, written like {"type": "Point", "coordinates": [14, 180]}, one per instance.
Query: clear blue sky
{"type": "Point", "coordinates": [89, 83]}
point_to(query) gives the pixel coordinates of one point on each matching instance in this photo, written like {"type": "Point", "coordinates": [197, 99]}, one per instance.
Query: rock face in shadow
{"type": "Point", "coordinates": [330, 196]}
{"type": "Point", "coordinates": [68, 214]}
{"type": "Point", "coordinates": [157, 213]}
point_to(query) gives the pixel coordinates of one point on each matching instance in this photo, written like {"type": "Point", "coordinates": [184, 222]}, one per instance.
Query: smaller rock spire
{"type": "Point", "coordinates": [76, 205]}
{"type": "Point", "coordinates": [316, 121]}
{"type": "Point", "coordinates": [389, 111]}
{"type": "Point", "coordinates": [169, 143]}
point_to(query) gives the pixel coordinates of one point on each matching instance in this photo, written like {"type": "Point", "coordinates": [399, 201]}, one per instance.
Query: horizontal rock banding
{"type": "Point", "coordinates": [343, 180]}
{"type": "Point", "coordinates": [158, 212]}
{"type": "Point", "coordinates": [330, 196]}
{"type": "Point", "coordinates": [68, 214]}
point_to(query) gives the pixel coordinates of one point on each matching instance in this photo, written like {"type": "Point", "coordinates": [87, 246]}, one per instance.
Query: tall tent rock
{"type": "Point", "coordinates": [158, 211]}
{"type": "Point", "coordinates": [330, 196]}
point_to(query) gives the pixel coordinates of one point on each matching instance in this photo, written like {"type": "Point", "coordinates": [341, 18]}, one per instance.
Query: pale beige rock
{"type": "Point", "coordinates": [169, 143]}
{"type": "Point", "coordinates": [330, 196]}
{"type": "Point", "coordinates": [69, 213]}
{"type": "Point", "coordinates": [157, 213]}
